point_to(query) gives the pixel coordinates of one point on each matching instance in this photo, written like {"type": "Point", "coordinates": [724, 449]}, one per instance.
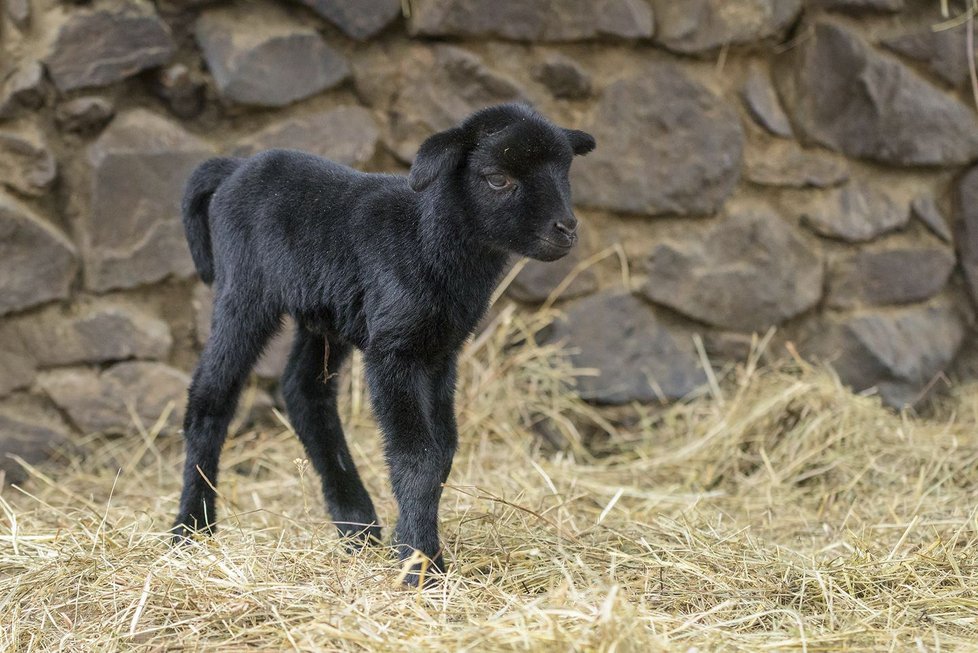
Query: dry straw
{"type": "Point", "coordinates": [781, 513]}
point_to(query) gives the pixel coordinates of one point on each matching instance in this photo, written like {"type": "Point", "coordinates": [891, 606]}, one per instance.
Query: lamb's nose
{"type": "Point", "coordinates": [566, 226]}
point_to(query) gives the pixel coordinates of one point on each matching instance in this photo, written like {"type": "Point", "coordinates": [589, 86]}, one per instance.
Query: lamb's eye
{"type": "Point", "coordinates": [498, 181]}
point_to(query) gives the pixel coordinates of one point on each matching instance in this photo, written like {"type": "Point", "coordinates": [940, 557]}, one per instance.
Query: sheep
{"type": "Point", "coordinates": [402, 268]}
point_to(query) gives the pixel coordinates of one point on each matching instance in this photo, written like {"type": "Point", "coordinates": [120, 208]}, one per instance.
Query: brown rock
{"type": "Point", "coordinates": [966, 231]}
{"type": "Point", "coordinates": [636, 355]}
{"type": "Point", "coordinates": [31, 430]}
{"type": "Point", "coordinates": [346, 134]}
{"type": "Point", "coordinates": [859, 5]}
{"type": "Point", "coordinates": [701, 25]}
{"type": "Point", "coordinates": [37, 262]}
{"type": "Point", "coordinates": [944, 53]}
{"type": "Point", "coordinates": [898, 351]}
{"type": "Point", "coordinates": [548, 20]}
{"type": "Point", "coordinates": [359, 20]}
{"type": "Point", "coordinates": [666, 145]}
{"type": "Point", "coordinates": [889, 274]}
{"type": "Point", "coordinates": [786, 164]}
{"type": "Point", "coordinates": [259, 55]}
{"type": "Point", "coordinates": [925, 209]}
{"type": "Point", "coordinates": [106, 401]}
{"type": "Point", "coordinates": [538, 279]}
{"type": "Point", "coordinates": [843, 94]}
{"type": "Point", "coordinates": [181, 90]}
{"type": "Point", "coordinates": [854, 213]}
{"type": "Point", "coordinates": [133, 233]}
{"type": "Point", "coordinates": [19, 12]}
{"type": "Point", "coordinates": [563, 77]}
{"type": "Point", "coordinates": [84, 115]}
{"type": "Point", "coordinates": [749, 272]}
{"type": "Point", "coordinates": [26, 163]}
{"type": "Point", "coordinates": [22, 90]}
{"type": "Point", "coordinates": [96, 47]}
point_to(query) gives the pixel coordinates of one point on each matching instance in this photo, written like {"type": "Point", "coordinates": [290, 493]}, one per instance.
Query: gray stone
{"type": "Point", "coordinates": [438, 89]}
{"type": "Point", "coordinates": [275, 356]}
{"type": "Point", "coordinates": [100, 46]}
{"type": "Point", "coordinates": [105, 402]}
{"type": "Point", "coordinates": [547, 20]}
{"type": "Point", "coordinates": [763, 105]}
{"type": "Point", "coordinates": [966, 228]}
{"type": "Point", "coordinates": [19, 12]}
{"type": "Point", "coordinates": [786, 164]}
{"type": "Point", "coordinates": [854, 213]}
{"type": "Point", "coordinates": [95, 331]}
{"type": "Point", "coordinates": [898, 351]}
{"type": "Point", "coordinates": [563, 77]}
{"type": "Point", "coordinates": [22, 90]}
{"type": "Point", "coordinates": [181, 90]}
{"type": "Point", "coordinates": [347, 134]}
{"type": "Point", "coordinates": [636, 355]}
{"type": "Point", "coordinates": [749, 272]}
{"type": "Point", "coordinates": [133, 234]}
{"type": "Point", "coordinates": [666, 145]}
{"type": "Point", "coordinates": [843, 94]}
{"type": "Point", "coordinates": [859, 5]}
{"type": "Point", "coordinates": [84, 115]}
{"type": "Point", "coordinates": [37, 261]}
{"type": "Point", "coordinates": [259, 55]}
{"type": "Point", "coordinates": [701, 25]}
{"type": "Point", "coordinates": [359, 20]}
{"type": "Point", "coordinates": [944, 53]}
{"type": "Point", "coordinates": [924, 208]}
{"type": "Point", "coordinates": [538, 279]}
{"type": "Point", "coordinates": [890, 273]}
{"type": "Point", "coordinates": [19, 367]}
{"type": "Point", "coordinates": [26, 162]}
{"type": "Point", "coordinates": [31, 430]}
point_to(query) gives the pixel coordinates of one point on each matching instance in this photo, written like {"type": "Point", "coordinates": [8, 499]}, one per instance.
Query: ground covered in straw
{"type": "Point", "coordinates": [776, 512]}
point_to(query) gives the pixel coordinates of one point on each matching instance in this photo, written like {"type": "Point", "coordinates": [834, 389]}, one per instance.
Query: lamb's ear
{"type": "Point", "coordinates": [439, 154]}
{"type": "Point", "coordinates": [581, 142]}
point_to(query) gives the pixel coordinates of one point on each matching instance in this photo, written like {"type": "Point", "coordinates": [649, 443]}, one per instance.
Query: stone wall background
{"type": "Point", "coordinates": [802, 164]}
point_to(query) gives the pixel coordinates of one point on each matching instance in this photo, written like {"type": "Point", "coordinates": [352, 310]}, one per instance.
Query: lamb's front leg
{"type": "Point", "coordinates": [412, 400]}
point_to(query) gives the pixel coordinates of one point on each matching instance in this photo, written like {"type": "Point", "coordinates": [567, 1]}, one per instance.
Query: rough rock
{"type": "Point", "coordinates": [100, 46]}
{"type": "Point", "coordinates": [859, 5]}
{"type": "Point", "coordinates": [547, 20]}
{"type": "Point", "coordinates": [359, 20]}
{"type": "Point", "coordinates": [966, 228]}
{"type": "Point", "coordinates": [274, 358]}
{"type": "Point", "coordinates": [899, 351]}
{"type": "Point", "coordinates": [259, 55]}
{"type": "Point", "coordinates": [22, 90]}
{"type": "Point", "coordinates": [854, 213]}
{"type": "Point", "coordinates": [761, 102]}
{"type": "Point", "coordinates": [637, 355]}
{"type": "Point", "coordinates": [105, 401]}
{"type": "Point", "coordinates": [347, 134]}
{"type": "Point", "coordinates": [26, 162]}
{"type": "Point", "coordinates": [702, 25]}
{"type": "Point", "coordinates": [133, 234]}
{"type": "Point", "coordinates": [785, 163]}
{"type": "Point", "coordinates": [19, 367]}
{"type": "Point", "coordinates": [31, 430]}
{"type": "Point", "coordinates": [538, 279]}
{"type": "Point", "coordinates": [19, 12]}
{"type": "Point", "coordinates": [944, 53]}
{"type": "Point", "coordinates": [749, 272]}
{"type": "Point", "coordinates": [666, 144]}
{"type": "Point", "coordinates": [181, 90]}
{"type": "Point", "coordinates": [438, 89]}
{"type": "Point", "coordinates": [96, 331]}
{"type": "Point", "coordinates": [843, 94]}
{"type": "Point", "coordinates": [924, 208]}
{"type": "Point", "coordinates": [563, 77]}
{"type": "Point", "coordinates": [889, 273]}
{"type": "Point", "coordinates": [37, 261]}
{"type": "Point", "coordinates": [84, 115]}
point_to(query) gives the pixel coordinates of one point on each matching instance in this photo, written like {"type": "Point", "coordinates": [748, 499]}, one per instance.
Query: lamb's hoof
{"type": "Point", "coordinates": [418, 570]}
{"type": "Point", "coordinates": [181, 534]}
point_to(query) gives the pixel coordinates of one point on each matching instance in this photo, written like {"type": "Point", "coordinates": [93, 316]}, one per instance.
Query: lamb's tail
{"type": "Point", "coordinates": [203, 181]}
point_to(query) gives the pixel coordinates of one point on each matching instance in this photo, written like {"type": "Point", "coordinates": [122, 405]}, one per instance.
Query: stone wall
{"type": "Point", "coordinates": [760, 163]}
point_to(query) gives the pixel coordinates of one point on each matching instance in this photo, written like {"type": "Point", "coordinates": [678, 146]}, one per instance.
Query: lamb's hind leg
{"type": "Point", "coordinates": [239, 332]}
{"type": "Point", "coordinates": [310, 396]}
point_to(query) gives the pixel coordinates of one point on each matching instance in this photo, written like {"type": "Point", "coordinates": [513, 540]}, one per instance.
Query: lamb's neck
{"type": "Point", "coordinates": [451, 250]}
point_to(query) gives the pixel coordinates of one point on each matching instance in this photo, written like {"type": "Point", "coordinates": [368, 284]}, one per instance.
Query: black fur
{"type": "Point", "coordinates": [401, 268]}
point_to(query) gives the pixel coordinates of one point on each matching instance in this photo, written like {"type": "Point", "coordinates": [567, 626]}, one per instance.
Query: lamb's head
{"type": "Point", "coordinates": [506, 169]}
